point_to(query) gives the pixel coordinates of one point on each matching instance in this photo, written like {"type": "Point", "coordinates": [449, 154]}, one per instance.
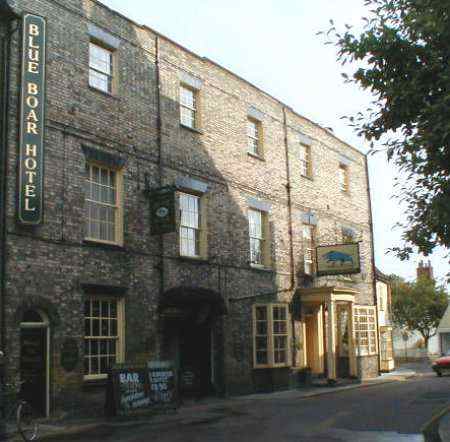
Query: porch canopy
{"type": "Point", "coordinates": [324, 301]}
{"type": "Point", "coordinates": [185, 301]}
{"type": "Point", "coordinates": [324, 295]}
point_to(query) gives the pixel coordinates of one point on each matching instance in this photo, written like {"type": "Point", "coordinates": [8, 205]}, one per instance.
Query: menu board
{"type": "Point", "coordinates": [162, 383]}
{"type": "Point", "coordinates": [135, 389]}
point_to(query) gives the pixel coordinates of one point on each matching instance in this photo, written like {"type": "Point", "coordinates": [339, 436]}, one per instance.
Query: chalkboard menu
{"type": "Point", "coordinates": [135, 389]}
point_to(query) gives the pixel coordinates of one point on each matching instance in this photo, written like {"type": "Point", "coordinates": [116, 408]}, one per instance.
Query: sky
{"type": "Point", "coordinates": [273, 44]}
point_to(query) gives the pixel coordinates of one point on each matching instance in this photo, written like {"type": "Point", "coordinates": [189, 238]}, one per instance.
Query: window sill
{"type": "Point", "coordinates": [194, 259]}
{"type": "Point", "coordinates": [257, 157]}
{"type": "Point", "coordinates": [261, 268]}
{"type": "Point", "coordinates": [106, 94]}
{"type": "Point", "coordinates": [192, 129]}
{"type": "Point", "coordinates": [105, 245]}
{"type": "Point", "coordinates": [272, 367]}
{"type": "Point", "coordinates": [95, 383]}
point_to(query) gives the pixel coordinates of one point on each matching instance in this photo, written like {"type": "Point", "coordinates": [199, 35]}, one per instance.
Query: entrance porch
{"type": "Point", "coordinates": [328, 331]}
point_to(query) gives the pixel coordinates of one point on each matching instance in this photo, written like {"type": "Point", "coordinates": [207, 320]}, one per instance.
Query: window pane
{"type": "Point", "coordinates": [261, 313]}
{"type": "Point", "coordinates": [261, 343]}
{"type": "Point", "coordinates": [101, 204]}
{"type": "Point", "coordinates": [189, 225]}
{"type": "Point", "coordinates": [261, 357]}
{"type": "Point", "coordinates": [100, 352]}
{"type": "Point", "coordinates": [100, 58]}
{"type": "Point", "coordinates": [261, 328]}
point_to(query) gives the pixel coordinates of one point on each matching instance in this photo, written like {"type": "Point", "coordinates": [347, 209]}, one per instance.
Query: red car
{"type": "Point", "coordinates": [442, 364]}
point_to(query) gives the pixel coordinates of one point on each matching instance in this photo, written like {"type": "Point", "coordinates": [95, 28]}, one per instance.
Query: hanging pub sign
{"type": "Point", "coordinates": [338, 259]}
{"type": "Point", "coordinates": [162, 210]}
{"type": "Point", "coordinates": [31, 148]}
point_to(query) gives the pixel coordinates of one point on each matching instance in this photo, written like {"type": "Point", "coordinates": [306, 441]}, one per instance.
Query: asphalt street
{"type": "Point", "coordinates": [382, 413]}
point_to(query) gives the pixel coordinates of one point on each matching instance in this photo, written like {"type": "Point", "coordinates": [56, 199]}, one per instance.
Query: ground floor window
{"type": "Point", "coordinates": [386, 349]}
{"type": "Point", "coordinates": [270, 335]}
{"type": "Point", "coordinates": [365, 330]}
{"type": "Point", "coordinates": [104, 336]}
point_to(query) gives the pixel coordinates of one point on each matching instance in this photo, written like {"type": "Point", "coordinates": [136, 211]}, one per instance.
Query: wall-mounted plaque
{"type": "Point", "coordinates": [69, 354]}
{"type": "Point", "coordinates": [338, 259]}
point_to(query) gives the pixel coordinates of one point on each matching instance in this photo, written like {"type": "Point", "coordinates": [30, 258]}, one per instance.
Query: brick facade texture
{"type": "Point", "coordinates": [48, 265]}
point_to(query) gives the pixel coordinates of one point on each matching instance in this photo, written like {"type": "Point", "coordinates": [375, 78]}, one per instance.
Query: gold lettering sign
{"type": "Point", "coordinates": [30, 198]}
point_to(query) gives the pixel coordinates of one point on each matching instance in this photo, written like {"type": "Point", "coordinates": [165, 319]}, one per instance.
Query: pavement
{"type": "Point", "coordinates": [210, 409]}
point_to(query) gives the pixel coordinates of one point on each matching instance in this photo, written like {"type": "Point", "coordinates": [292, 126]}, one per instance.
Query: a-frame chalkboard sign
{"type": "Point", "coordinates": [136, 389]}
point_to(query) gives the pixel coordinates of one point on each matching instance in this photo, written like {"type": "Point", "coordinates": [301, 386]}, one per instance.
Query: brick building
{"type": "Point", "coordinates": [231, 295]}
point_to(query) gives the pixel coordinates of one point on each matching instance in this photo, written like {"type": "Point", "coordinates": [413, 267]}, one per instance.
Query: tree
{"type": "Point", "coordinates": [418, 305]}
{"type": "Point", "coordinates": [402, 58]}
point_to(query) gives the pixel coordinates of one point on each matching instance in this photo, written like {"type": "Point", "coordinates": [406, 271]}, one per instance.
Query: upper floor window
{"type": "Point", "coordinates": [343, 178]}
{"type": "Point", "coordinates": [188, 107]}
{"type": "Point", "coordinates": [308, 248]}
{"type": "Point", "coordinates": [348, 235]}
{"type": "Point", "coordinates": [270, 335]}
{"type": "Point", "coordinates": [305, 160]}
{"type": "Point", "coordinates": [103, 204]}
{"type": "Point", "coordinates": [100, 68]}
{"type": "Point", "coordinates": [258, 232]}
{"type": "Point", "coordinates": [254, 136]}
{"type": "Point", "coordinates": [190, 223]}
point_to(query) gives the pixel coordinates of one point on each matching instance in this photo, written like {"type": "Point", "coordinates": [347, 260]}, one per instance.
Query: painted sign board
{"type": "Point", "coordinates": [338, 259]}
{"type": "Point", "coordinates": [135, 389]}
{"type": "Point", "coordinates": [31, 147]}
{"type": "Point", "coordinates": [162, 210]}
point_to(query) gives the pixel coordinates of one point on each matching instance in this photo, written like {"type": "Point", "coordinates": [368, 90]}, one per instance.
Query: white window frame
{"type": "Point", "coordinates": [305, 161]}
{"type": "Point", "coordinates": [254, 136]}
{"type": "Point", "coordinates": [117, 206]}
{"type": "Point", "coordinates": [197, 229]}
{"type": "Point", "coordinates": [344, 178]}
{"type": "Point", "coordinates": [119, 338]}
{"type": "Point", "coordinates": [271, 335]}
{"type": "Point", "coordinates": [308, 248]}
{"type": "Point", "coordinates": [365, 330]}
{"type": "Point", "coordinates": [261, 237]}
{"type": "Point", "coordinates": [190, 108]}
{"type": "Point", "coordinates": [94, 70]}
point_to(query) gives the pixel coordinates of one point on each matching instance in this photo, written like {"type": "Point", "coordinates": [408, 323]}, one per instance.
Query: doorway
{"type": "Point", "coordinates": [342, 351]}
{"type": "Point", "coordinates": [34, 360]}
{"type": "Point", "coordinates": [195, 359]}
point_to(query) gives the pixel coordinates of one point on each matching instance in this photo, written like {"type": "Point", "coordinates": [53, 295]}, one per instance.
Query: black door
{"type": "Point", "coordinates": [195, 359]}
{"type": "Point", "coordinates": [33, 367]}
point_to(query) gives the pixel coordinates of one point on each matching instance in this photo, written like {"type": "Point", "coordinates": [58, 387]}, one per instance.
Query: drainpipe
{"type": "Point", "coordinates": [290, 229]}
{"type": "Point", "coordinates": [374, 280]}
{"type": "Point", "coordinates": [160, 265]}
{"type": "Point", "coordinates": [4, 132]}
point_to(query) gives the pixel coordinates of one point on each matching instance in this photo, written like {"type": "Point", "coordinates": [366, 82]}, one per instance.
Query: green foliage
{"type": "Point", "coordinates": [418, 305]}
{"type": "Point", "coordinates": [402, 57]}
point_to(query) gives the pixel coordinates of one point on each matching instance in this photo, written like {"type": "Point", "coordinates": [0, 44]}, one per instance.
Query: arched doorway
{"type": "Point", "coordinates": [34, 360]}
{"type": "Point", "coordinates": [190, 317]}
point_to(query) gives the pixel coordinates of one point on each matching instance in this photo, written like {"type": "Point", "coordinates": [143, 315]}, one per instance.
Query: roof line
{"type": "Point", "coordinates": [208, 60]}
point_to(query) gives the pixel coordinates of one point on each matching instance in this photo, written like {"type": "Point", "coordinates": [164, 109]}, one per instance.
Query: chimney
{"type": "Point", "coordinates": [425, 270]}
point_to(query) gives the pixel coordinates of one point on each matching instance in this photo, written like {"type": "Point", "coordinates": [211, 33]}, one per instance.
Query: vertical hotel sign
{"type": "Point", "coordinates": [32, 121]}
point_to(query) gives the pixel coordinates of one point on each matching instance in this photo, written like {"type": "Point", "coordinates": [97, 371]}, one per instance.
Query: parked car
{"type": "Point", "coordinates": [442, 364]}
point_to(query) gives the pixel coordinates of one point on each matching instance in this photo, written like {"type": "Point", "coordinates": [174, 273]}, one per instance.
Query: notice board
{"type": "Point", "coordinates": [135, 389]}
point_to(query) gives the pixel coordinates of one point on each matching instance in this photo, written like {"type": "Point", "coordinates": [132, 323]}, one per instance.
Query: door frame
{"type": "Point", "coordinates": [45, 324]}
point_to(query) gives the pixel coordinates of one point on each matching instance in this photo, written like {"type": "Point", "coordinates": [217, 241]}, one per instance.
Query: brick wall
{"type": "Point", "coordinates": [49, 264]}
